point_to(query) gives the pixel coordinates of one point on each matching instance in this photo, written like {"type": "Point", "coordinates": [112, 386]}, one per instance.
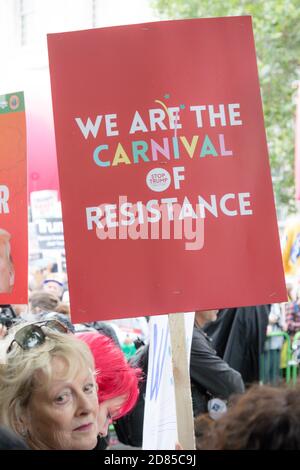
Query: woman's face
{"type": "Point", "coordinates": [108, 410]}
{"type": "Point", "coordinates": [66, 414]}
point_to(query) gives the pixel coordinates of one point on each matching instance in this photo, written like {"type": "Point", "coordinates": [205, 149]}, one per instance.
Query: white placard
{"type": "Point", "coordinates": [44, 204]}
{"type": "Point", "coordinates": [160, 425]}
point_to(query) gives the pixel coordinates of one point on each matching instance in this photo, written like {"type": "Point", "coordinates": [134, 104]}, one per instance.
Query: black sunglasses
{"type": "Point", "coordinates": [31, 336]}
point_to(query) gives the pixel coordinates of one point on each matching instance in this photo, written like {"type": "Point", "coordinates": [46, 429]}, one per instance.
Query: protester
{"type": "Point", "coordinates": [117, 381]}
{"type": "Point", "coordinates": [116, 378]}
{"type": "Point", "coordinates": [61, 317]}
{"type": "Point", "coordinates": [102, 327]}
{"type": "Point", "coordinates": [48, 388]}
{"type": "Point", "coordinates": [202, 427]}
{"type": "Point", "coordinates": [264, 418]}
{"type": "Point", "coordinates": [54, 283]}
{"type": "Point", "coordinates": [270, 364]}
{"type": "Point", "coordinates": [129, 428]}
{"type": "Point", "coordinates": [238, 336]}
{"type": "Point", "coordinates": [211, 376]}
{"type": "Point", "coordinates": [41, 301]}
{"type": "Point", "coordinates": [292, 316]}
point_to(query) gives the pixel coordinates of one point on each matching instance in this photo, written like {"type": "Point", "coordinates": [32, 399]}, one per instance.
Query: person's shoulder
{"type": "Point", "coordinates": [200, 338]}
{"type": "Point", "coordinates": [200, 333]}
{"type": "Point", "coordinates": [11, 441]}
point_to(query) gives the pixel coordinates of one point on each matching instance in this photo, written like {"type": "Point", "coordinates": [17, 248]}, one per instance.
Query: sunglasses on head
{"type": "Point", "coordinates": [31, 336]}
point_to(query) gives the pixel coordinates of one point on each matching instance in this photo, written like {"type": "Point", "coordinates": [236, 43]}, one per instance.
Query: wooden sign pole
{"type": "Point", "coordinates": [183, 397]}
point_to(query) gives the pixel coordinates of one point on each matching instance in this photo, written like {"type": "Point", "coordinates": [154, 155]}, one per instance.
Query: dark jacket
{"type": "Point", "coordinates": [238, 335]}
{"type": "Point", "coordinates": [129, 428]}
{"type": "Point", "coordinates": [11, 441]}
{"type": "Point", "coordinates": [210, 375]}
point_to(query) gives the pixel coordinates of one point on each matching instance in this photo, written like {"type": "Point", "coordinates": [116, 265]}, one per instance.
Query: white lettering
{"type": "Point", "coordinates": [93, 215]}
{"type": "Point", "coordinates": [4, 196]}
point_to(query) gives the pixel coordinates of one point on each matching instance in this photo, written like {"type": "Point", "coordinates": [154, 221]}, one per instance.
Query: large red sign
{"type": "Point", "coordinates": [164, 172]}
{"type": "Point", "coordinates": [13, 201]}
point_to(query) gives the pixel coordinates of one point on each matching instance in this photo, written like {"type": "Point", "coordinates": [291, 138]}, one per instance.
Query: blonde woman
{"type": "Point", "coordinates": [48, 391]}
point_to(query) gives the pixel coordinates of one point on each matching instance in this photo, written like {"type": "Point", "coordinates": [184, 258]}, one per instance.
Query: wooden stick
{"type": "Point", "coordinates": [182, 385]}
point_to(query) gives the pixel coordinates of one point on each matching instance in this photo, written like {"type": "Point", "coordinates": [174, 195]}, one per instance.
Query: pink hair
{"type": "Point", "coordinates": [115, 376]}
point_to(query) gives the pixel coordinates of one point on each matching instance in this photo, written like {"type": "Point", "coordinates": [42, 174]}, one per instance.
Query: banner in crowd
{"type": "Point", "coordinates": [50, 233]}
{"type": "Point", "coordinates": [13, 200]}
{"type": "Point", "coordinates": [44, 204]}
{"type": "Point", "coordinates": [165, 181]}
{"type": "Point", "coordinates": [291, 247]}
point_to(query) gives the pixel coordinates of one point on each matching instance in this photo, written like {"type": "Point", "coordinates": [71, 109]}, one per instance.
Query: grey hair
{"type": "Point", "coordinates": [19, 377]}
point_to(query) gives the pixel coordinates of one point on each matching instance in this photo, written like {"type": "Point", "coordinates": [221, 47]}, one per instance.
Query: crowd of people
{"type": "Point", "coordinates": [62, 385]}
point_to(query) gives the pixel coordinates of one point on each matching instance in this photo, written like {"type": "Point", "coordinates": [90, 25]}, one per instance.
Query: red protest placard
{"type": "Point", "coordinates": [165, 181]}
{"type": "Point", "coordinates": [13, 201]}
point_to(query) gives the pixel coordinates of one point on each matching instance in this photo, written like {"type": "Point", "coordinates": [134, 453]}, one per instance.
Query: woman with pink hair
{"type": "Point", "coordinates": [117, 380]}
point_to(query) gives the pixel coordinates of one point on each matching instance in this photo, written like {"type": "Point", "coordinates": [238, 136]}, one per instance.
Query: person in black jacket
{"type": "Point", "coordinates": [129, 428]}
{"type": "Point", "coordinates": [238, 335]}
{"type": "Point", "coordinates": [211, 376]}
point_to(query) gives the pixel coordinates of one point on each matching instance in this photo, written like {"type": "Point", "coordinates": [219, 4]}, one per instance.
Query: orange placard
{"type": "Point", "coordinates": [13, 200]}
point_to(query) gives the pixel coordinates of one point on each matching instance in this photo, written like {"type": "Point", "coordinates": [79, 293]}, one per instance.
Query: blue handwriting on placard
{"type": "Point", "coordinates": [158, 361]}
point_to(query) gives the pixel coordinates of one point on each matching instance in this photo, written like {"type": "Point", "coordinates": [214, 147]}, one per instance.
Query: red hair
{"type": "Point", "coordinates": [115, 376]}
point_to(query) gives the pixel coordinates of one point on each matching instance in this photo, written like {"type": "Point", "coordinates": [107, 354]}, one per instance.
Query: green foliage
{"type": "Point", "coordinates": [276, 25]}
